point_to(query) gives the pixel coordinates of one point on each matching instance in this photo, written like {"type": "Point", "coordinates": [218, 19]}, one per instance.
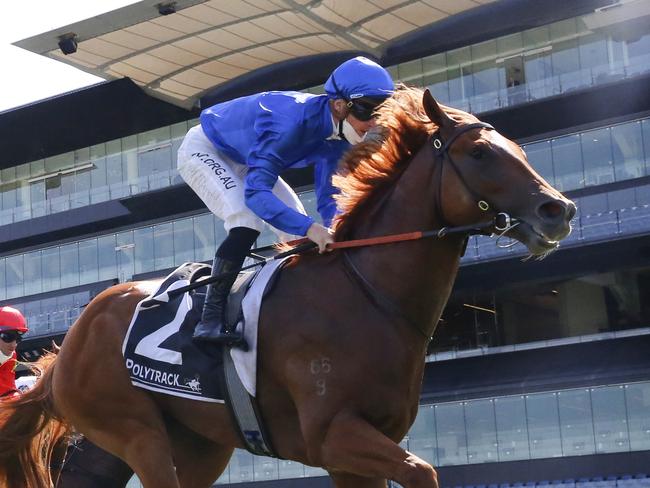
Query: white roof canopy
{"type": "Point", "coordinates": [181, 56]}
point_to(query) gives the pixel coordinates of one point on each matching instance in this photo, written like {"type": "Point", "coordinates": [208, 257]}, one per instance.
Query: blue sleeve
{"type": "Point", "coordinates": [266, 161]}
{"type": "Point", "coordinates": [258, 191]}
{"type": "Point", "coordinates": [325, 191]}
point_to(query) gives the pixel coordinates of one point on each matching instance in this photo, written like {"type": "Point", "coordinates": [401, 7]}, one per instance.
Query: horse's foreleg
{"type": "Point", "coordinates": [199, 461]}
{"type": "Point", "coordinates": [145, 447]}
{"type": "Point", "coordinates": [354, 446]}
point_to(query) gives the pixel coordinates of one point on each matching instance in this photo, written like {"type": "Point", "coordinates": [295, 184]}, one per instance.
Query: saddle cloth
{"type": "Point", "coordinates": [158, 348]}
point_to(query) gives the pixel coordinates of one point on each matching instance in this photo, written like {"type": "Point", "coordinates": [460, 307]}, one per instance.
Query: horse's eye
{"type": "Point", "coordinates": [477, 153]}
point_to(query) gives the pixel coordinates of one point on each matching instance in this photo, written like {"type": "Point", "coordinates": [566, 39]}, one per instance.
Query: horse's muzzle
{"type": "Point", "coordinates": [554, 218]}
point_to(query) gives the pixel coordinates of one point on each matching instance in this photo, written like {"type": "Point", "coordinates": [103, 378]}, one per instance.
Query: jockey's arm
{"type": "Point", "coordinates": [261, 200]}
{"type": "Point", "coordinates": [258, 191]}
{"type": "Point", "coordinates": [325, 191]}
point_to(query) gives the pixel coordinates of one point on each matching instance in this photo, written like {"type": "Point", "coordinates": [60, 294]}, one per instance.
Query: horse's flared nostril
{"type": "Point", "coordinates": [556, 211]}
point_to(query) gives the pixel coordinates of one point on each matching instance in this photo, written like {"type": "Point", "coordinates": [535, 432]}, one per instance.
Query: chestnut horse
{"type": "Point", "coordinates": [343, 336]}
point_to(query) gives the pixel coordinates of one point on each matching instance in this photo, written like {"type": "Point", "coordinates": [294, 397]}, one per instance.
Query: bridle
{"type": "Point", "coordinates": [441, 149]}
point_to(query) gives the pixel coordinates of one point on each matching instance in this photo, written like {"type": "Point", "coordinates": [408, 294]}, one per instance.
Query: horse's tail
{"type": "Point", "coordinates": [29, 431]}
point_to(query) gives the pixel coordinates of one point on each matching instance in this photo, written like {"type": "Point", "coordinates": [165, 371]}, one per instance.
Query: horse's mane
{"type": "Point", "coordinates": [372, 166]}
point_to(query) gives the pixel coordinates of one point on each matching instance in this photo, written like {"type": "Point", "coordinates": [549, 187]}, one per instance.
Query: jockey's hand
{"type": "Point", "coordinates": [321, 236]}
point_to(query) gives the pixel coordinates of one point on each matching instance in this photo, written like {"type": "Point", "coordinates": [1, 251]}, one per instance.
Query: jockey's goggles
{"type": "Point", "coordinates": [364, 108]}
{"type": "Point", "coordinates": [10, 336]}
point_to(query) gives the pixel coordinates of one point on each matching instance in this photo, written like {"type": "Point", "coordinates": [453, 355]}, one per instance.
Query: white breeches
{"type": "Point", "coordinates": [219, 182]}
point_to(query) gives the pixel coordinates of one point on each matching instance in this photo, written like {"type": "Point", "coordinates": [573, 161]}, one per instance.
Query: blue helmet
{"type": "Point", "coordinates": [358, 78]}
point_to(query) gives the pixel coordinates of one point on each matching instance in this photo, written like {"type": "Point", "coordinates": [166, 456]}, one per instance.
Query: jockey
{"type": "Point", "coordinates": [12, 328]}
{"type": "Point", "coordinates": [234, 158]}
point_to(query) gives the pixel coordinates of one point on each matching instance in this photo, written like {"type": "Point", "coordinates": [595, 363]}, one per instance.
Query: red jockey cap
{"type": "Point", "coordinates": [12, 319]}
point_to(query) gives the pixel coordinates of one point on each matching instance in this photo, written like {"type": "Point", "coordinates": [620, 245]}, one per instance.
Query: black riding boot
{"type": "Point", "coordinates": [213, 326]}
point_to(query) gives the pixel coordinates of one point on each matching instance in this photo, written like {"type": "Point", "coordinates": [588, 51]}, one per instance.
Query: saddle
{"type": "Point", "coordinates": [161, 356]}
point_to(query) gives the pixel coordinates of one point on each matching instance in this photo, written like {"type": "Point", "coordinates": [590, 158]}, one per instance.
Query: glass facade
{"type": "Point", "coordinates": [115, 169]}
{"type": "Point", "coordinates": [594, 157]}
{"type": "Point", "coordinates": [537, 63]}
{"type": "Point", "coordinates": [595, 305]}
{"type": "Point", "coordinates": [581, 421]}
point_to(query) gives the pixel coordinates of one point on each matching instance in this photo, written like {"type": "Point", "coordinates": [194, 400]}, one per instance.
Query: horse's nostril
{"type": "Point", "coordinates": [555, 210]}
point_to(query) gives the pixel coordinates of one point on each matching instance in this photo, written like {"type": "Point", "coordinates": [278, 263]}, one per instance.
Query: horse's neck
{"type": "Point", "coordinates": [417, 275]}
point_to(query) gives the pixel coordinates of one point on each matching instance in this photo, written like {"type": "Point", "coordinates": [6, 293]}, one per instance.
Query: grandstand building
{"type": "Point", "coordinates": [539, 372]}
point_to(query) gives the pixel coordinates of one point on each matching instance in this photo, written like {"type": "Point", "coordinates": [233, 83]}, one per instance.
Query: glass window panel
{"type": "Point", "coordinates": [81, 194]}
{"type": "Point", "coordinates": [14, 274]}
{"type": "Point", "coordinates": [512, 430]}
{"type": "Point", "coordinates": [610, 419]}
{"type": "Point", "coordinates": [576, 422]}
{"type": "Point", "coordinates": [481, 431]}
{"type": "Point", "coordinates": [311, 471]}
{"type": "Point", "coordinates": [460, 77]}
{"type": "Point", "coordinates": [33, 276]}
{"type": "Point", "coordinates": [59, 162]}
{"type": "Point", "coordinates": [435, 76]}
{"type": "Point", "coordinates": [638, 413]}
{"type": "Point", "coordinates": [178, 132]}
{"type": "Point", "coordinates": [241, 466]}
{"type": "Point", "coordinates": [144, 250]}
{"type": "Point", "coordinates": [22, 192]}
{"type": "Point", "coordinates": [130, 159]}
{"type": "Point", "coordinates": [540, 156]}
{"type": "Point", "coordinates": [597, 156]}
{"type": "Point", "coordinates": [163, 238]}
{"type": "Point", "coordinates": [183, 242]}
{"type": "Point", "coordinates": [88, 267]}
{"type": "Point", "coordinates": [153, 137]}
{"type": "Point", "coordinates": [290, 469]}
{"type": "Point", "coordinates": [98, 174]}
{"type": "Point", "coordinates": [452, 438]}
{"type": "Point", "coordinates": [638, 51]}
{"type": "Point", "coordinates": [265, 468]}
{"type": "Point", "coordinates": [204, 244]}
{"type": "Point", "coordinates": [510, 45]}
{"type": "Point", "coordinates": [627, 149]}
{"type": "Point", "coordinates": [411, 72]}
{"type": "Point", "coordinates": [37, 197]}
{"type": "Point", "coordinates": [37, 168]}
{"type": "Point", "coordinates": [565, 55]}
{"type": "Point", "coordinates": [51, 269]}
{"type": "Point", "coordinates": [645, 130]}
{"type": "Point", "coordinates": [114, 178]}
{"type": "Point", "coordinates": [219, 230]}
{"type": "Point", "coordinates": [594, 57]}
{"type": "Point", "coordinates": [567, 163]}
{"type": "Point", "coordinates": [543, 425]}
{"type": "Point", "coordinates": [538, 72]}
{"type": "Point", "coordinates": [486, 76]}
{"type": "Point", "coordinates": [125, 256]}
{"type": "Point", "coordinates": [69, 265]}
{"type": "Point", "coordinates": [487, 91]}
{"type": "Point", "coordinates": [107, 259]}
{"type": "Point", "coordinates": [422, 436]}
{"type": "Point", "coordinates": [8, 186]}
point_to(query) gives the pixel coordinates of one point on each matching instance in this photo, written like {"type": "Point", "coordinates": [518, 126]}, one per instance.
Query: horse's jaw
{"type": "Point", "coordinates": [538, 242]}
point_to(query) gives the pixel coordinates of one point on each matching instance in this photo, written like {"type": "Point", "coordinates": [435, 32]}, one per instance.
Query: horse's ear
{"type": "Point", "coordinates": [437, 115]}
